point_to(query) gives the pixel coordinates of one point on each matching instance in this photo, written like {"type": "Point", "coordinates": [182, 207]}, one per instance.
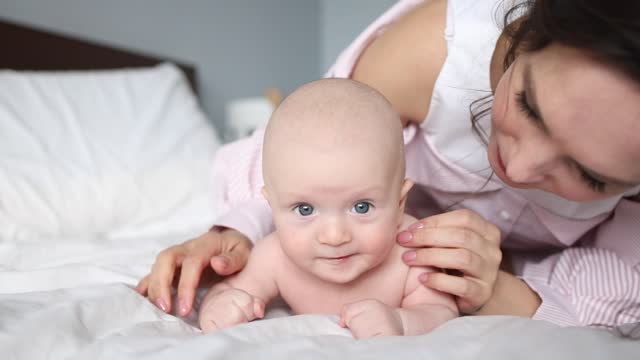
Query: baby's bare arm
{"type": "Point", "coordinates": [423, 309]}
{"type": "Point", "coordinates": [243, 297]}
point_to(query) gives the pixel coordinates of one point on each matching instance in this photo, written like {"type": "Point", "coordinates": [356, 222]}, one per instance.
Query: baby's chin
{"type": "Point", "coordinates": [342, 271]}
{"type": "Point", "coordinates": [337, 278]}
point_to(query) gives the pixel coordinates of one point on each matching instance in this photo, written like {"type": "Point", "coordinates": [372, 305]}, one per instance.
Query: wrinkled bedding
{"type": "Point", "coordinates": [60, 300]}
{"type": "Point", "coordinates": [99, 171]}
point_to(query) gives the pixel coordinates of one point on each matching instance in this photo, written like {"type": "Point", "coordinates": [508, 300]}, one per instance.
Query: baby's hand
{"type": "Point", "coordinates": [229, 307]}
{"type": "Point", "coordinates": [369, 318]}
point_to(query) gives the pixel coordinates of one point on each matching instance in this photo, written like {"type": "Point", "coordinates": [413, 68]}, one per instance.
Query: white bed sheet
{"type": "Point", "coordinates": [111, 168]}
{"type": "Point", "coordinates": [75, 300]}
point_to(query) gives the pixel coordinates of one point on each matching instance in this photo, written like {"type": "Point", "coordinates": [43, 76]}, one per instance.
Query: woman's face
{"type": "Point", "coordinates": [565, 123]}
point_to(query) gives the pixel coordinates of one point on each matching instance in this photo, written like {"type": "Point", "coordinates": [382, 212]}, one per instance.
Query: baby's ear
{"type": "Point", "coordinates": [404, 192]}
{"type": "Point", "coordinates": [407, 184]}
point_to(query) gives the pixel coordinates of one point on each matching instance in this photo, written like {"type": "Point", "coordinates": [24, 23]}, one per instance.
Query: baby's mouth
{"type": "Point", "coordinates": [338, 259]}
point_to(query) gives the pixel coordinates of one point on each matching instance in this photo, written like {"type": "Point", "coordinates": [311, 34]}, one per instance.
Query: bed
{"type": "Point", "coordinates": [104, 160]}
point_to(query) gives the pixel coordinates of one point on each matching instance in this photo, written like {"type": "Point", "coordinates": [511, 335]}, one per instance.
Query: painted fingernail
{"type": "Point", "coordinates": [404, 237]}
{"type": "Point", "coordinates": [162, 305]}
{"type": "Point", "coordinates": [183, 307]}
{"type": "Point", "coordinates": [416, 226]}
{"type": "Point", "coordinates": [423, 277]}
{"type": "Point", "coordinates": [409, 256]}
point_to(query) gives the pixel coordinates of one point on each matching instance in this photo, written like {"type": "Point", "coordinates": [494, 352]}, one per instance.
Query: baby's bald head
{"type": "Point", "coordinates": [334, 116]}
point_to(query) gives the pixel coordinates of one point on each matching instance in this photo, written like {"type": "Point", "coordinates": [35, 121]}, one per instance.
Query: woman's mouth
{"type": "Point", "coordinates": [499, 167]}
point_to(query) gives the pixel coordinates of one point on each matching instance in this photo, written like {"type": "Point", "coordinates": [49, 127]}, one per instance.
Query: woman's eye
{"type": "Point", "coordinates": [595, 185]}
{"type": "Point", "coordinates": [304, 209]}
{"type": "Point", "coordinates": [362, 207]}
{"type": "Point", "coordinates": [524, 106]}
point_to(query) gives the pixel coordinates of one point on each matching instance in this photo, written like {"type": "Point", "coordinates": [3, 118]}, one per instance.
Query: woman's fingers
{"type": "Point", "coordinates": [468, 262]}
{"type": "Point", "coordinates": [226, 252]}
{"type": "Point", "coordinates": [190, 275]}
{"type": "Point", "coordinates": [418, 235]}
{"type": "Point", "coordinates": [461, 240]}
{"type": "Point", "coordinates": [143, 285]}
{"type": "Point", "coordinates": [162, 274]}
{"type": "Point", "coordinates": [471, 292]}
{"type": "Point", "coordinates": [231, 261]}
{"type": "Point", "coordinates": [448, 237]}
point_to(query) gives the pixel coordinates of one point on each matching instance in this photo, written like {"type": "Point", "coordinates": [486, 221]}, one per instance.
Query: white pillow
{"type": "Point", "coordinates": [107, 153]}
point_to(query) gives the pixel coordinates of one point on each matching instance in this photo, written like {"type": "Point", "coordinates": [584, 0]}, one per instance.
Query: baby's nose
{"type": "Point", "coordinates": [334, 233]}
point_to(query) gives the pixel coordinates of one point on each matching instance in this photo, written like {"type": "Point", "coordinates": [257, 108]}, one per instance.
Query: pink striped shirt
{"type": "Point", "coordinates": [581, 258]}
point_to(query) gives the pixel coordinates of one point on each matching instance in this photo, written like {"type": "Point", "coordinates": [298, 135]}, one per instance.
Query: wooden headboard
{"type": "Point", "coordinates": [27, 48]}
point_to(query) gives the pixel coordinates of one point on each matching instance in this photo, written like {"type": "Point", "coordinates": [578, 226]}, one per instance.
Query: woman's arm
{"type": "Point", "coordinates": [599, 281]}
{"type": "Point", "coordinates": [237, 185]}
{"type": "Point", "coordinates": [403, 63]}
{"type": "Point", "coordinates": [511, 296]}
{"type": "Point", "coordinates": [595, 283]}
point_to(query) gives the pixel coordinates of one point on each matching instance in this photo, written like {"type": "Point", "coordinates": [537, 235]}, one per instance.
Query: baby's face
{"type": "Point", "coordinates": [336, 212]}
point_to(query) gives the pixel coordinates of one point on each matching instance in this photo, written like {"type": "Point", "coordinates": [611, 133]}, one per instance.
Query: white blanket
{"type": "Point", "coordinates": [99, 172]}
{"type": "Point", "coordinates": [74, 300]}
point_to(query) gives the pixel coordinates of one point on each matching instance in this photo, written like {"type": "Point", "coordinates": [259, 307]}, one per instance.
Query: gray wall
{"type": "Point", "coordinates": [240, 47]}
{"type": "Point", "coordinates": [343, 20]}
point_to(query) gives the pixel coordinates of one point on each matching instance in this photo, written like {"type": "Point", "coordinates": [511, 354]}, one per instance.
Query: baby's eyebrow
{"type": "Point", "coordinates": [350, 192]}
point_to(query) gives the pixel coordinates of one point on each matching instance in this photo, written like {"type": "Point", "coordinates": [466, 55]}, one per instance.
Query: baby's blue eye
{"type": "Point", "coordinates": [304, 209]}
{"type": "Point", "coordinates": [362, 207]}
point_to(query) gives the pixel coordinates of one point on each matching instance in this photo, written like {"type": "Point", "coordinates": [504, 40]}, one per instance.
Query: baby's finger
{"type": "Point", "coordinates": [258, 308]}
{"type": "Point", "coordinates": [246, 304]}
{"type": "Point", "coordinates": [464, 260]}
{"type": "Point", "coordinates": [352, 311]}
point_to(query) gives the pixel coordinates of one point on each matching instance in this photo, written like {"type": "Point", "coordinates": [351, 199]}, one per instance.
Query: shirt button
{"type": "Point", "coordinates": [505, 215]}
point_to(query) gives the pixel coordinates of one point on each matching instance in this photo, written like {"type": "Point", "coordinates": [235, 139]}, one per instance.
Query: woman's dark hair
{"type": "Point", "coordinates": [609, 30]}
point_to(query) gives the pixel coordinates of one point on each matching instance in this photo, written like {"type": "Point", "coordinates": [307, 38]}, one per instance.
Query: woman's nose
{"type": "Point", "coordinates": [530, 164]}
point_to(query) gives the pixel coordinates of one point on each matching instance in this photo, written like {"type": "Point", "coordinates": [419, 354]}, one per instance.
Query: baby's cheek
{"type": "Point", "coordinates": [298, 248]}
{"type": "Point", "coordinates": [378, 243]}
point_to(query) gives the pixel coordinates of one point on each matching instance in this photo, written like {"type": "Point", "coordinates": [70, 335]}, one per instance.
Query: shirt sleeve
{"type": "Point", "coordinates": [237, 188]}
{"type": "Point", "coordinates": [596, 282]}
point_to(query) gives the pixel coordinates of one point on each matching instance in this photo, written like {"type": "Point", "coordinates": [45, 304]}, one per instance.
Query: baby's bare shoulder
{"type": "Point", "coordinates": [267, 250]}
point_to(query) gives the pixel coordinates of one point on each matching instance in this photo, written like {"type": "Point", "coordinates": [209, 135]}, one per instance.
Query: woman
{"type": "Point", "coordinates": [555, 185]}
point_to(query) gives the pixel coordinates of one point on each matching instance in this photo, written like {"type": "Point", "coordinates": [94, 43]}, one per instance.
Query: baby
{"type": "Point", "coordinates": [333, 166]}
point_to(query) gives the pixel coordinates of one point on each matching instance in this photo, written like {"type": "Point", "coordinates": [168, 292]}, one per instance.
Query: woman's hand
{"type": "Point", "coordinates": [226, 251]}
{"type": "Point", "coordinates": [459, 240]}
